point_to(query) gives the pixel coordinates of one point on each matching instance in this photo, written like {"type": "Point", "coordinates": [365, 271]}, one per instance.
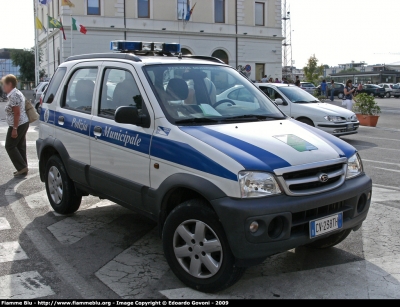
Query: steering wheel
{"type": "Point", "coordinates": [224, 101]}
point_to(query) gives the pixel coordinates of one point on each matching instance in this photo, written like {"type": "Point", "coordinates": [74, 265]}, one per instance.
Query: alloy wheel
{"type": "Point", "coordinates": [55, 185]}
{"type": "Point", "coordinates": [197, 249]}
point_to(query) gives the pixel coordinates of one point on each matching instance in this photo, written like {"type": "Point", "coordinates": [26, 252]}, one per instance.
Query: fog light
{"type": "Point", "coordinates": [253, 227]}
{"type": "Point", "coordinates": [361, 203]}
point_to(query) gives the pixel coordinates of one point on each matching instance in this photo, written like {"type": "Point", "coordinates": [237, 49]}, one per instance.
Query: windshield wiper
{"type": "Point", "coordinates": [197, 120]}
{"type": "Point", "coordinates": [253, 117]}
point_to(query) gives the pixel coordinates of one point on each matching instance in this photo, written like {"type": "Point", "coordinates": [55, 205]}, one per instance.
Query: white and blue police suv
{"type": "Point", "coordinates": [228, 184]}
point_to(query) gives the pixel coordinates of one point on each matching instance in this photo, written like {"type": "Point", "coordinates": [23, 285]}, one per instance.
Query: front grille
{"type": "Point", "coordinates": [312, 172]}
{"type": "Point", "coordinates": [307, 181]}
{"type": "Point", "coordinates": [312, 185]}
{"type": "Point", "coordinates": [301, 220]}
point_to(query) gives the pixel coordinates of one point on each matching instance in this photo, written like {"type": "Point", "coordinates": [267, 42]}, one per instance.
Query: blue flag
{"type": "Point", "coordinates": [44, 2]}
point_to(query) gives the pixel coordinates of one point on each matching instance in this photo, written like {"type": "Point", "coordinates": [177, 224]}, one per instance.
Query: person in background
{"type": "Point", "coordinates": [284, 80]}
{"type": "Point", "coordinates": [297, 82]}
{"type": "Point", "coordinates": [271, 80]}
{"type": "Point", "coordinates": [323, 88]}
{"type": "Point", "coordinates": [348, 94]}
{"type": "Point", "coordinates": [332, 88]}
{"type": "Point", "coordinates": [359, 87]}
{"type": "Point", "coordinates": [277, 80]}
{"type": "Point", "coordinates": [18, 123]}
{"type": "Point", "coordinates": [264, 79]}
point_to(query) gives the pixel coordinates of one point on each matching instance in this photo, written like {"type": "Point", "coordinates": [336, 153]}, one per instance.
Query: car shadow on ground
{"type": "Point", "coordinates": [360, 145]}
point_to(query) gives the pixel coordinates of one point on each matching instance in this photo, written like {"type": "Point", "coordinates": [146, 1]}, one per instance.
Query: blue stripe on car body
{"type": "Point", "coordinates": [248, 155]}
{"type": "Point", "coordinates": [166, 149]}
{"type": "Point", "coordinates": [342, 148]}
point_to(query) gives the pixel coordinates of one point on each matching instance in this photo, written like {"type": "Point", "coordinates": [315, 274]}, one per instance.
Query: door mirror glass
{"type": "Point", "coordinates": [130, 115]}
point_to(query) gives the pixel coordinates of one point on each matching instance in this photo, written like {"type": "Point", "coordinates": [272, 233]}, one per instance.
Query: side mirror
{"type": "Point", "coordinates": [130, 115]}
{"type": "Point", "coordinates": [280, 102]}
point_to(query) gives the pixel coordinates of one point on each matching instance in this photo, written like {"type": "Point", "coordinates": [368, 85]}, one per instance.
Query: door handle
{"type": "Point", "coordinates": [61, 120]}
{"type": "Point", "coordinates": [97, 131]}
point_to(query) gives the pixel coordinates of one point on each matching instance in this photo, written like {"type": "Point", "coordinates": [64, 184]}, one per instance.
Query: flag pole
{"type": "Point", "coordinates": [36, 43]}
{"type": "Point", "coordinates": [47, 42]}
{"type": "Point", "coordinates": [71, 35]}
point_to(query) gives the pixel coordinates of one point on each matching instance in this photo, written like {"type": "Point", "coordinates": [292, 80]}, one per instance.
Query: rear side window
{"type": "Point", "coordinates": [80, 90]}
{"type": "Point", "coordinates": [55, 84]}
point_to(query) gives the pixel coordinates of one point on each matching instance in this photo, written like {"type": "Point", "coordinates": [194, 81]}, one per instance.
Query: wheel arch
{"type": "Point", "coordinates": [182, 187]}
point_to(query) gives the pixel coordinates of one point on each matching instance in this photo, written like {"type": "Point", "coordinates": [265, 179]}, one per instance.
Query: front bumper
{"type": "Point", "coordinates": [295, 212]}
{"type": "Point", "coordinates": [338, 129]}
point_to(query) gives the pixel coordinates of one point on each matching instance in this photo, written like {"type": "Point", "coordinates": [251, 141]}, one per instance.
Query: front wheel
{"type": "Point", "coordinates": [196, 248]}
{"type": "Point", "coordinates": [60, 188]}
{"type": "Point", "coordinates": [330, 241]}
{"type": "Point", "coordinates": [340, 95]}
{"type": "Point", "coordinates": [306, 121]}
{"type": "Point", "coordinates": [387, 95]}
{"type": "Point", "coordinates": [372, 94]}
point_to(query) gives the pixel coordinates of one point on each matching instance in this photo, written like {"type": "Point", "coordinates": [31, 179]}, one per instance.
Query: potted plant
{"type": "Point", "coordinates": [366, 109]}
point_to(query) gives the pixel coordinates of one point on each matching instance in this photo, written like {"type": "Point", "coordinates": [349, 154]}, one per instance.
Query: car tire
{"type": "Point", "coordinates": [372, 94]}
{"type": "Point", "coordinates": [206, 268]}
{"type": "Point", "coordinates": [387, 95]}
{"type": "Point", "coordinates": [340, 96]}
{"type": "Point", "coordinates": [330, 241]}
{"type": "Point", "coordinates": [306, 121]}
{"type": "Point", "coordinates": [60, 188]}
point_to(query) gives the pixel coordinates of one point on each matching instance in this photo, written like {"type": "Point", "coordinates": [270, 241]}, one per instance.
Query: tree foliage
{"type": "Point", "coordinates": [312, 71]}
{"type": "Point", "coordinates": [25, 59]}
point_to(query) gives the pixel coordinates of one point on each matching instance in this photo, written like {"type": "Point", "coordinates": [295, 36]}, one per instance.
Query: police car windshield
{"type": "Point", "coordinates": [208, 94]}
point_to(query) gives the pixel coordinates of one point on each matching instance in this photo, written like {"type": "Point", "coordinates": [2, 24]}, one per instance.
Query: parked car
{"type": "Point", "coordinates": [308, 86]}
{"type": "Point", "coordinates": [388, 89]}
{"type": "Point", "coordinates": [306, 108]}
{"type": "Point", "coordinates": [37, 92]}
{"type": "Point", "coordinates": [373, 90]}
{"type": "Point", "coordinates": [39, 102]}
{"type": "Point", "coordinates": [339, 90]}
{"type": "Point", "coordinates": [396, 90]}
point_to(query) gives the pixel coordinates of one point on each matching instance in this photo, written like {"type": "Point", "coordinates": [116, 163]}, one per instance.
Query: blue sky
{"type": "Point", "coordinates": [336, 31]}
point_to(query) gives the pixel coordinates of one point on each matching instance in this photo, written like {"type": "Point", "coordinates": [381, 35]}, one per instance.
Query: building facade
{"type": "Point", "coordinates": [6, 65]}
{"type": "Point", "coordinates": [240, 32]}
{"type": "Point", "coordinates": [361, 72]}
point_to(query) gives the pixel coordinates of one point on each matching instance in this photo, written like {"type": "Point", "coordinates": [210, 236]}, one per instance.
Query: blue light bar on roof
{"type": "Point", "coordinates": [144, 46]}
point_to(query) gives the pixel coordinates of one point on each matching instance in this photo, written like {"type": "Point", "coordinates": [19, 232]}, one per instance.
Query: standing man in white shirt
{"type": "Point", "coordinates": [18, 123]}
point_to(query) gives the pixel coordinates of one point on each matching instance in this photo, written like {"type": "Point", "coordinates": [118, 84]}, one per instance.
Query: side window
{"type": "Point", "coordinates": [118, 89]}
{"type": "Point", "coordinates": [55, 84]}
{"type": "Point", "coordinates": [80, 90]}
{"type": "Point", "coordinates": [234, 95]}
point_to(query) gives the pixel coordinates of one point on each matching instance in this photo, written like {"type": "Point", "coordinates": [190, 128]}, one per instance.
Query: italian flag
{"type": "Point", "coordinates": [77, 26]}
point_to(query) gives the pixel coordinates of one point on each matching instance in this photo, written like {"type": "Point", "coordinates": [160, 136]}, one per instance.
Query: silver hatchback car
{"type": "Point", "coordinates": [308, 87]}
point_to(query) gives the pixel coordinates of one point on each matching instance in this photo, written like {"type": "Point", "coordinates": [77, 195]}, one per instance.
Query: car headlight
{"type": "Point", "coordinates": [354, 166]}
{"type": "Point", "coordinates": [334, 119]}
{"type": "Point", "coordinates": [257, 184]}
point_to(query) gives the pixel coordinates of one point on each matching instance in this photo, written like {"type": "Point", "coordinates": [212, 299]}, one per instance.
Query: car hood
{"type": "Point", "coordinates": [267, 146]}
{"type": "Point", "coordinates": [329, 109]}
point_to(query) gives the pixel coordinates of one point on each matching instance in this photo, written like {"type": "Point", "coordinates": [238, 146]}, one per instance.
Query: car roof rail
{"type": "Point", "coordinates": [123, 56]}
{"type": "Point", "coordinates": [204, 57]}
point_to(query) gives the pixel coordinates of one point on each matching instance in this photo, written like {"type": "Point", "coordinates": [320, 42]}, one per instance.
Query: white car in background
{"type": "Point", "coordinates": [304, 107]}
{"type": "Point", "coordinates": [37, 92]}
{"type": "Point", "coordinates": [388, 89]}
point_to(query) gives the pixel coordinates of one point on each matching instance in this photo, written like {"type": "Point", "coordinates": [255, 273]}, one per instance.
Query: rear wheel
{"type": "Point", "coordinates": [330, 241]}
{"type": "Point", "coordinates": [387, 95]}
{"type": "Point", "coordinates": [372, 94]}
{"type": "Point", "coordinates": [60, 188]}
{"type": "Point", "coordinates": [340, 95]}
{"type": "Point", "coordinates": [306, 121]}
{"type": "Point", "coordinates": [196, 248]}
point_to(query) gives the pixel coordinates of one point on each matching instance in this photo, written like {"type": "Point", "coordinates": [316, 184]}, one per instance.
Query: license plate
{"type": "Point", "coordinates": [350, 126]}
{"type": "Point", "coordinates": [326, 224]}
